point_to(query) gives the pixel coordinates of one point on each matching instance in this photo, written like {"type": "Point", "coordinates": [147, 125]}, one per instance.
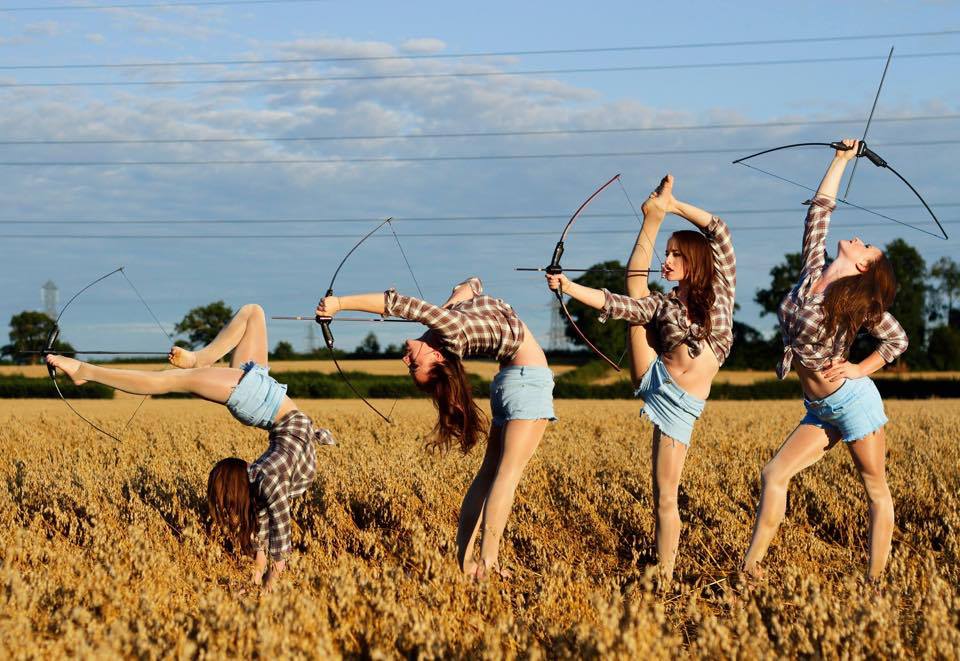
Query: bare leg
{"type": "Point", "coordinates": [520, 440]}
{"type": "Point", "coordinates": [640, 338]}
{"type": "Point", "coordinates": [471, 511]}
{"type": "Point", "coordinates": [803, 448]}
{"type": "Point", "coordinates": [212, 383]}
{"type": "Point", "coordinates": [668, 458]}
{"type": "Point", "coordinates": [869, 455]}
{"type": "Point", "coordinates": [245, 335]}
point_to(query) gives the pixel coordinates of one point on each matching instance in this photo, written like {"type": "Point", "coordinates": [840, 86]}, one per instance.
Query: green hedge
{"type": "Point", "coordinates": [22, 387]}
{"type": "Point", "coordinates": [311, 385]}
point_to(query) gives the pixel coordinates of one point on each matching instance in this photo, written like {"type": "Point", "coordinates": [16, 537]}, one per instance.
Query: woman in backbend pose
{"type": "Point", "coordinates": [471, 323]}
{"type": "Point", "coordinates": [249, 502]}
{"type": "Point", "coordinates": [677, 340]}
{"type": "Point", "coordinates": [819, 320]}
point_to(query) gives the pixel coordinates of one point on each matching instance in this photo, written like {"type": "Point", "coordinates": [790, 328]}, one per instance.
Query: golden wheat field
{"type": "Point", "coordinates": [105, 551]}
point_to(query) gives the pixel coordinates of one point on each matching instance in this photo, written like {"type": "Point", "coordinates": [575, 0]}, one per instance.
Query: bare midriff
{"type": "Point", "coordinates": [694, 375]}
{"type": "Point", "coordinates": [814, 384]}
{"type": "Point", "coordinates": [529, 354]}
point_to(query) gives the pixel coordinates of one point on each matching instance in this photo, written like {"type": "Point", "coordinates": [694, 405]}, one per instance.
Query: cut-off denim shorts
{"type": "Point", "coordinates": [669, 407]}
{"type": "Point", "coordinates": [854, 410]}
{"type": "Point", "coordinates": [256, 399]}
{"type": "Point", "coordinates": [522, 393]}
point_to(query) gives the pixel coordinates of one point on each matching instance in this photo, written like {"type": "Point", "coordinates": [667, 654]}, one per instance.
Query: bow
{"type": "Point", "coordinates": [555, 268]}
{"type": "Point", "coordinates": [862, 151]}
{"type": "Point", "coordinates": [54, 335]}
{"type": "Point", "coordinates": [325, 321]}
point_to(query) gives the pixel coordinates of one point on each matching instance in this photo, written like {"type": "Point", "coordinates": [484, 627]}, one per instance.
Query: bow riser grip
{"type": "Point", "coordinates": [872, 156]}
{"type": "Point", "coordinates": [327, 333]}
{"type": "Point", "coordinates": [554, 268]}
{"type": "Point", "coordinates": [839, 146]}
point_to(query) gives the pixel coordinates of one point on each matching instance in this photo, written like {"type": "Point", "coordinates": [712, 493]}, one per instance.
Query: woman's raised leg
{"type": "Point", "coordinates": [869, 454]}
{"type": "Point", "coordinates": [520, 441]}
{"type": "Point", "coordinates": [212, 383]}
{"type": "Point", "coordinates": [640, 339]}
{"type": "Point", "coordinates": [668, 458]}
{"type": "Point", "coordinates": [803, 448]}
{"type": "Point", "coordinates": [471, 511]}
{"type": "Point", "coordinates": [245, 335]}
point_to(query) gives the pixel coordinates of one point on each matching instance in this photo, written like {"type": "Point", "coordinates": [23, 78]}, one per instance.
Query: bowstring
{"type": "Point", "coordinates": [406, 261]}
{"type": "Point", "coordinates": [653, 250]}
{"type": "Point", "coordinates": [838, 199]}
{"type": "Point", "coordinates": [167, 335]}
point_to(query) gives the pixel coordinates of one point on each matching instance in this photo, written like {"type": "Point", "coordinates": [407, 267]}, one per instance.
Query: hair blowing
{"type": "Point", "coordinates": [698, 267]}
{"type": "Point", "coordinates": [231, 505]}
{"type": "Point", "coordinates": [859, 299]}
{"type": "Point", "coordinates": [459, 418]}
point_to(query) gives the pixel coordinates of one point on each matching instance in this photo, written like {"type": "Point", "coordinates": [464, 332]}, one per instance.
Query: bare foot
{"type": "Point", "coordinates": [482, 570]}
{"type": "Point", "coordinates": [69, 366]}
{"type": "Point", "coordinates": [661, 200]}
{"type": "Point", "coordinates": [182, 358]}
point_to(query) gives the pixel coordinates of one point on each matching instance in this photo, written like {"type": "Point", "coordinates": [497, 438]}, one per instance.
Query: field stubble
{"type": "Point", "coordinates": [105, 549]}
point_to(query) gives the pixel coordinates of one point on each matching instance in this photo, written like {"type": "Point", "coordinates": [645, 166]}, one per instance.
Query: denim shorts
{"type": "Point", "coordinates": [522, 393]}
{"type": "Point", "coordinates": [854, 410]}
{"type": "Point", "coordinates": [669, 407]}
{"type": "Point", "coordinates": [256, 399]}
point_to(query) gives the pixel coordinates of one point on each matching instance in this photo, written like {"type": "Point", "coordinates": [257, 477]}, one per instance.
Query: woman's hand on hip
{"type": "Point", "coordinates": [841, 369]}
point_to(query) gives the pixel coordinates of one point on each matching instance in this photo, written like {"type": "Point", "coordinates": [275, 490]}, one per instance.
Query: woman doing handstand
{"type": "Point", "coordinates": [670, 369]}
{"type": "Point", "coordinates": [819, 320]}
{"type": "Point", "coordinates": [249, 502]}
{"type": "Point", "coordinates": [472, 323]}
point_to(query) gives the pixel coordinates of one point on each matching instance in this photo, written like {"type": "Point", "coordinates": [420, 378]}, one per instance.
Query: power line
{"type": "Point", "coordinates": [424, 159]}
{"type": "Point", "coordinates": [421, 235]}
{"type": "Point", "coordinates": [475, 74]}
{"type": "Point", "coordinates": [471, 134]}
{"type": "Point", "coordinates": [450, 56]}
{"type": "Point", "coordinates": [420, 219]}
{"type": "Point", "coordinates": [159, 5]}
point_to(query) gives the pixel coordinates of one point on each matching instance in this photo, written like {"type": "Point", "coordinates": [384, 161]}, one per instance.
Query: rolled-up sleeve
{"type": "Point", "coordinates": [893, 339]}
{"type": "Point", "coordinates": [274, 492]}
{"type": "Point", "coordinates": [815, 230]}
{"type": "Point", "coordinates": [445, 321]}
{"type": "Point", "coordinates": [634, 310]}
{"type": "Point", "coordinates": [724, 259]}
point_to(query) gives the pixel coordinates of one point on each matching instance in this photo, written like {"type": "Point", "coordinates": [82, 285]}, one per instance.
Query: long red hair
{"type": "Point", "coordinates": [459, 419]}
{"type": "Point", "coordinates": [232, 506]}
{"type": "Point", "coordinates": [854, 300]}
{"type": "Point", "coordinates": [698, 274]}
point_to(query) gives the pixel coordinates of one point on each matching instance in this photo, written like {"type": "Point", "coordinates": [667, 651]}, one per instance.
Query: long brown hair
{"type": "Point", "coordinates": [232, 507]}
{"type": "Point", "coordinates": [854, 300]}
{"type": "Point", "coordinates": [698, 274]}
{"type": "Point", "coordinates": [459, 418]}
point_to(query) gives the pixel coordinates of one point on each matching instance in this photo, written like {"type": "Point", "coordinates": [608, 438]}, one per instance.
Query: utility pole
{"type": "Point", "coordinates": [50, 298]}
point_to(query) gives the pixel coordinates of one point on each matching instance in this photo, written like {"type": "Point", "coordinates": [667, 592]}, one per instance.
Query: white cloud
{"type": "Point", "coordinates": [423, 45]}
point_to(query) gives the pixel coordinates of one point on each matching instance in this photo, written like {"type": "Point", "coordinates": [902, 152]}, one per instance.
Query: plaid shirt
{"type": "Point", "coordinates": [670, 315]}
{"type": "Point", "coordinates": [283, 472]}
{"type": "Point", "coordinates": [481, 326]}
{"type": "Point", "coordinates": [802, 320]}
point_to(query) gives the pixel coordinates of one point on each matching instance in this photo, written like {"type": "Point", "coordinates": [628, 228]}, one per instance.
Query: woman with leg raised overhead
{"type": "Point", "coordinates": [677, 340]}
{"type": "Point", "coordinates": [249, 502]}
{"type": "Point", "coordinates": [819, 320]}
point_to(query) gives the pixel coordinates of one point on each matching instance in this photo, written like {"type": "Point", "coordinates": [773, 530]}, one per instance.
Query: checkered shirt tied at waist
{"type": "Point", "coordinates": [283, 472]}
{"type": "Point", "coordinates": [668, 313]}
{"type": "Point", "coordinates": [802, 320]}
{"type": "Point", "coordinates": [481, 326]}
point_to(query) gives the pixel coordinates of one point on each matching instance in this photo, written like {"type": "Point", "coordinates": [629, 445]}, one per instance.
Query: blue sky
{"type": "Point", "coordinates": [339, 198]}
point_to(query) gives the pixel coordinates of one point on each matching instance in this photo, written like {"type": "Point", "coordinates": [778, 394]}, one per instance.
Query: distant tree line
{"type": "Point", "coordinates": [927, 305]}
